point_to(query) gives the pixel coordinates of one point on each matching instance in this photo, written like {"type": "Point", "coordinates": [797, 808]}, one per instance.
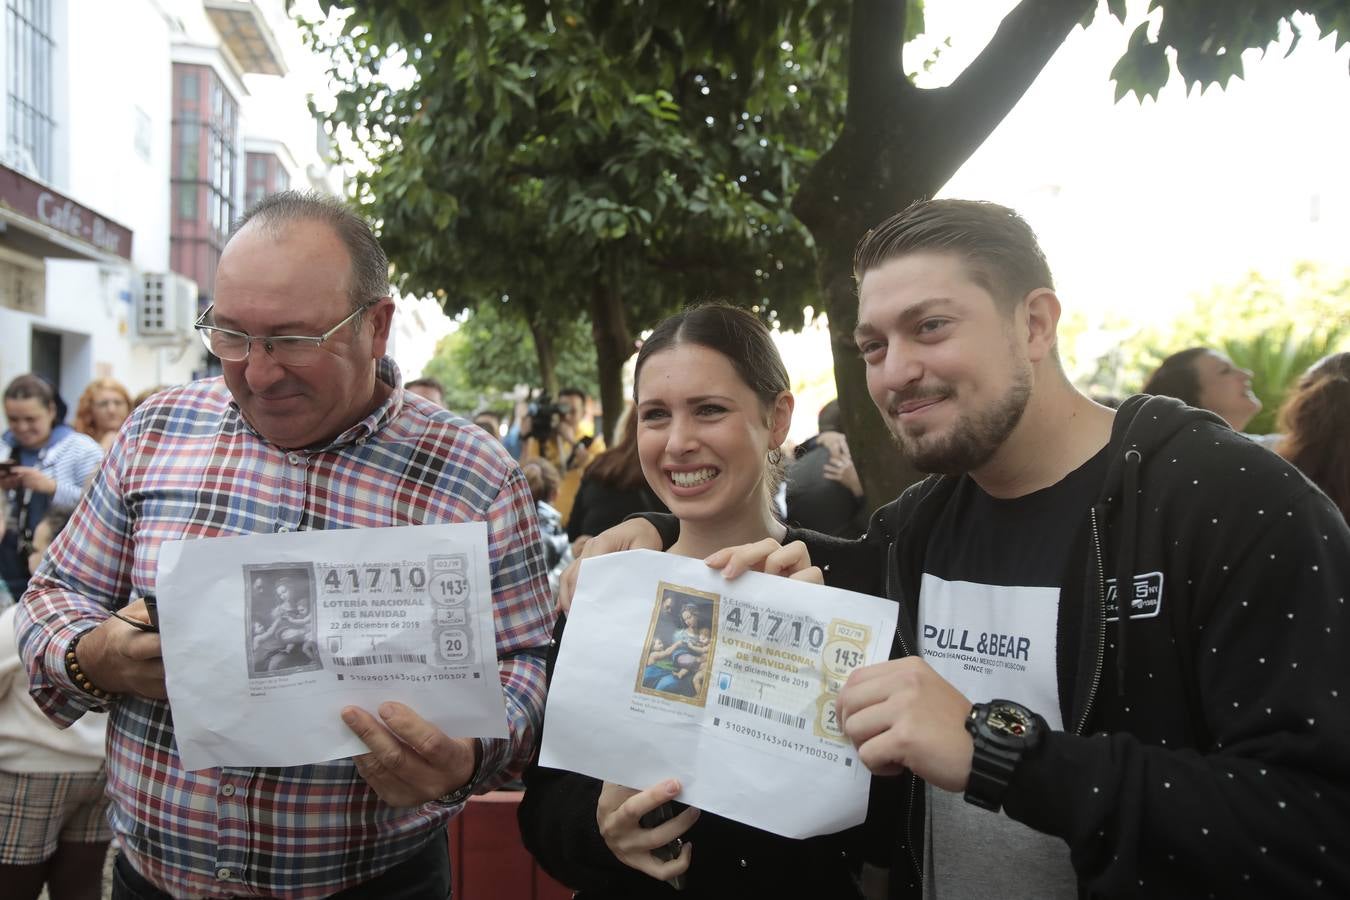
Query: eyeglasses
{"type": "Point", "coordinates": [287, 350]}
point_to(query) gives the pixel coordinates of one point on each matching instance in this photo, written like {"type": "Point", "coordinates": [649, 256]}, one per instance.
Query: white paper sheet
{"type": "Point", "coordinates": [267, 637]}
{"type": "Point", "coordinates": [754, 737]}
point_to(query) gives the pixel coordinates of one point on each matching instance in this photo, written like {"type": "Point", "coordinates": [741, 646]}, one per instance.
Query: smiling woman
{"type": "Point", "coordinates": [712, 400]}
{"type": "Point", "coordinates": [52, 465]}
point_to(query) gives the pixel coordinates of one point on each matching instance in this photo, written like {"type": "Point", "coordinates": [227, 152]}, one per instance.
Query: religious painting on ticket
{"type": "Point", "coordinates": [678, 653]}
{"type": "Point", "coordinates": [282, 621]}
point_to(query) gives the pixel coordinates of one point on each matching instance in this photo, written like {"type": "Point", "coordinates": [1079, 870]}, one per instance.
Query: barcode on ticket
{"type": "Point", "coordinates": [764, 712]}
{"type": "Point", "coordinates": [381, 658]}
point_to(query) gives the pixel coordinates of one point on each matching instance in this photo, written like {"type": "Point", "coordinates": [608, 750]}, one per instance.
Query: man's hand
{"type": "Point", "coordinates": [770, 557]}
{"type": "Point", "coordinates": [635, 534]}
{"type": "Point", "coordinates": [122, 659]}
{"type": "Point", "coordinates": [411, 761]}
{"type": "Point", "coordinates": [619, 813]}
{"type": "Point", "coordinates": [903, 715]}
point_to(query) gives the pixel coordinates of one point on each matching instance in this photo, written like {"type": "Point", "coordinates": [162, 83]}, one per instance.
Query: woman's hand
{"type": "Point", "coordinates": [33, 479]}
{"type": "Point", "coordinates": [769, 557]}
{"type": "Point", "coordinates": [618, 813]}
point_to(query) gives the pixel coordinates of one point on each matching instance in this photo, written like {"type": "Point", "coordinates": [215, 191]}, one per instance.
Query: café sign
{"type": "Point", "coordinates": [45, 206]}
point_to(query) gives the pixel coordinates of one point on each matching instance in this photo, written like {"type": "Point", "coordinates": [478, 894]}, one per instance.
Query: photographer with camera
{"type": "Point", "coordinates": [559, 433]}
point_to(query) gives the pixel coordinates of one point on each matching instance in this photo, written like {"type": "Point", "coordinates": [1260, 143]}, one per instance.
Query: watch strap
{"type": "Point", "coordinates": [463, 792]}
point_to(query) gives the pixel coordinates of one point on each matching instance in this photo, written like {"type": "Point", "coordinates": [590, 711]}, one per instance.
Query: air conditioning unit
{"type": "Point", "coordinates": [167, 306]}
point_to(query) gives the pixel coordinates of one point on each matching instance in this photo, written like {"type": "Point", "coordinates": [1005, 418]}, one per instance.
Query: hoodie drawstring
{"type": "Point", "coordinates": [1125, 559]}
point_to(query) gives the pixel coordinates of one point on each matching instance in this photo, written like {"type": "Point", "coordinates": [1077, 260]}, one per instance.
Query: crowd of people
{"type": "Point", "coordinates": [1181, 731]}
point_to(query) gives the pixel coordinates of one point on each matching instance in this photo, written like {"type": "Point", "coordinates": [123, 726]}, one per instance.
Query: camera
{"type": "Point", "coordinates": [544, 417]}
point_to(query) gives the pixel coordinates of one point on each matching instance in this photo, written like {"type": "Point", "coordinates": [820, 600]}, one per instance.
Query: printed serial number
{"type": "Point", "coordinates": [404, 676]}
{"type": "Point", "coordinates": [785, 743]}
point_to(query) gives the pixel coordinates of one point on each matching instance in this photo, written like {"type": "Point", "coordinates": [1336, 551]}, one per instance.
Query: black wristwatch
{"type": "Point", "coordinates": [1004, 733]}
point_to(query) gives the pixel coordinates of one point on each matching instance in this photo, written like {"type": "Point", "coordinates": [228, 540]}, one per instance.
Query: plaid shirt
{"type": "Point", "coordinates": [187, 465]}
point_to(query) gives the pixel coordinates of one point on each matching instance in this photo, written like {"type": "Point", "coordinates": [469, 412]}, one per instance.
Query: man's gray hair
{"type": "Point", "coordinates": [370, 267]}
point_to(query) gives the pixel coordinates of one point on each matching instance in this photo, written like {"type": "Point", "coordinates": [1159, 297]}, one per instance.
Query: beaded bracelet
{"type": "Point", "coordinates": [77, 675]}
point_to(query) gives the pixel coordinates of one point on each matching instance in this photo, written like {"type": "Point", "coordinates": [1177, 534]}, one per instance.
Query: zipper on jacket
{"type": "Point", "coordinates": [909, 830]}
{"type": "Point", "coordinates": [1101, 626]}
{"type": "Point", "coordinates": [900, 619]}
{"type": "Point", "coordinates": [913, 779]}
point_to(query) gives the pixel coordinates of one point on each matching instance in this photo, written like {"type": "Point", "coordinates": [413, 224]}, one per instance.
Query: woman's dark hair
{"type": "Point", "coordinates": [744, 341]}
{"type": "Point", "coordinates": [619, 467]}
{"type": "Point", "coordinates": [1176, 377]}
{"type": "Point", "coordinates": [1315, 421]}
{"type": "Point", "coordinates": [736, 334]}
{"type": "Point", "coordinates": [32, 387]}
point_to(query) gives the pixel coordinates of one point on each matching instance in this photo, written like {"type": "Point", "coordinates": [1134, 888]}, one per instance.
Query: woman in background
{"type": "Point", "coordinates": [1315, 422]}
{"type": "Point", "coordinates": [1206, 379]}
{"type": "Point", "coordinates": [612, 489]}
{"type": "Point", "coordinates": [49, 465]}
{"type": "Point", "coordinates": [543, 478]}
{"type": "Point", "coordinates": [103, 407]}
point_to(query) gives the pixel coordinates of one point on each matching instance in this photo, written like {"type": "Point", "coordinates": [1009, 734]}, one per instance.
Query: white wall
{"type": "Point", "coordinates": [93, 301]}
{"type": "Point", "coordinates": [120, 69]}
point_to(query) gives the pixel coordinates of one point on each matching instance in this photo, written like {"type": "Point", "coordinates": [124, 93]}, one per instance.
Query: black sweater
{"type": "Point", "coordinates": [1207, 750]}
{"type": "Point", "coordinates": [558, 826]}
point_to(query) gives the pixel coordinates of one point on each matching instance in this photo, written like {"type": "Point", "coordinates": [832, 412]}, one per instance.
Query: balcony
{"type": "Point", "coordinates": [247, 35]}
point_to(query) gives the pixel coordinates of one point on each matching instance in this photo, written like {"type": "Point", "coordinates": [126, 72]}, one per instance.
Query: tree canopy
{"type": "Point", "coordinates": [566, 162]}
{"type": "Point", "coordinates": [618, 158]}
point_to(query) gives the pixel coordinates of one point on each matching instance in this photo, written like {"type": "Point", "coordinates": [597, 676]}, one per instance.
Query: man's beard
{"type": "Point", "coordinates": [974, 438]}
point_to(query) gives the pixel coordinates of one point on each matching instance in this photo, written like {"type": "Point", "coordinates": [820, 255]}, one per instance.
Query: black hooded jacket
{"type": "Point", "coordinates": [1207, 741]}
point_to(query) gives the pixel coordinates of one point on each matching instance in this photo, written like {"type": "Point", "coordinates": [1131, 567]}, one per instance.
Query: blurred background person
{"type": "Point", "coordinates": [147, 394]}
{"type": "Point", "coordinates": [1206, 379]}
{"type": "Point", "coordinates": [51, 464]}
{"type": "Point", "coordinates": [823, 489]}
{"type": "Point", "coordinates": [53, 812]}
{"type": "Point", "coordinates": [543, 479]}
{"type": "Point", "coordinates": [103, 407]}
{"type": "Point", "coordinates": [612, 488]}
{"type": "Point", "coordinates": [429, 388]}
{"type": "Point", "coordinates": [1315, 427]}
{"type": "Point", "coordinates": [563, 434]}
{"type": "Point", "coordinates": [489, 421]}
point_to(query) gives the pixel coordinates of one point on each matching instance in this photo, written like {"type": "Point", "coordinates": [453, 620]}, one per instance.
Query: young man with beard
{"type": "Point", "coordinates": [1045, 745]}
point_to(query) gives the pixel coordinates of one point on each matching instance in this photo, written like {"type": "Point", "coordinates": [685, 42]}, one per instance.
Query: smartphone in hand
{"type": "Point", "coordinates": [666, 852]}
{"type": "Point", "coordinates": [152, 610]}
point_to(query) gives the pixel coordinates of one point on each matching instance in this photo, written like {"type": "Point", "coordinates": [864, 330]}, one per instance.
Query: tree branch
{"type": "Point", "coordinates": [876, 72]}
{"type": "Point", "coordinates": [973, 105]}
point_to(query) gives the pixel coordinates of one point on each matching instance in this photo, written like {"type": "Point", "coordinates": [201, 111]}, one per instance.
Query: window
{"type": "Point", "coordinates": [266, 175]}
{"type": "Point", "coordinates": [206, 195]}
{"type": "Point", "coordinates": [29, 107]}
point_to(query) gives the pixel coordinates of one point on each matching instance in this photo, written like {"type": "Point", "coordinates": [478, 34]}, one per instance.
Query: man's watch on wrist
{"type": "Point", "coordinates": [1004, 733]}
{"type": "Point", "coordinates": [462, 793]}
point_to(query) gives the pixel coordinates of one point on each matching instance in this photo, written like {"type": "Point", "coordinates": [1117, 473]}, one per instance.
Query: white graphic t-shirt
{"type": "Point", "coordinates": [988, 623]}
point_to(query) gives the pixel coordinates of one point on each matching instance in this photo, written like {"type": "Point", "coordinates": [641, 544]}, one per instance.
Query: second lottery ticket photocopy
{"type": "Point", "coordinates": [669, 670]}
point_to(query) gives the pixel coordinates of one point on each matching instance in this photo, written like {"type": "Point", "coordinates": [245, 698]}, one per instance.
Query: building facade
{"type": "Point", "coordinates": [133, 134]}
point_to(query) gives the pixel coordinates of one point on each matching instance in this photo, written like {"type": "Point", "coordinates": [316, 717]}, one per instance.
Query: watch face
{"type": "Point", "coordinates": [1009, 720]}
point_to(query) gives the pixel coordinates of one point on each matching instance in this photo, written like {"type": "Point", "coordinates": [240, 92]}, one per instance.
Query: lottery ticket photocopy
{"type": "Point", "coordinates": [267, 637]}
{"type": "Point", "coordinates": [667, 670]}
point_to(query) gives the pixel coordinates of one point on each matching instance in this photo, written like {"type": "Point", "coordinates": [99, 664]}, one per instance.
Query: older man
{"type": "Point", "coordinates": [308, 429]}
